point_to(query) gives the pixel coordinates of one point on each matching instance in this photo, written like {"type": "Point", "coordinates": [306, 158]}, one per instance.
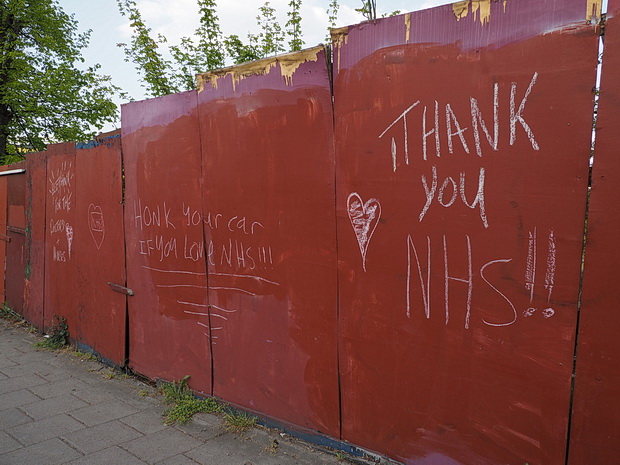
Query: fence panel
{"type": "Point", "coordinates": [16, 231]}
{"type": "Point", "coordinates": [36, 184]}
{"type": "Point", "coordinates": [100, 241]}
{"type": "Point", "coordinates": [4, 236]}
{"type": "Point", "coordinates": [166, 268]}
{"type": "Point", "coordinates": [462, 139]}
{"type": "Point", "coordinates": [269, 213]}
{"type": "Point", "coordinates": [595, 427]}
{"type": "Point", "coordinates": [61, 273]}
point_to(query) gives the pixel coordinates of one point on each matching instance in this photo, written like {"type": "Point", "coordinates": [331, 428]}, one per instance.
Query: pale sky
{"type": "Point", "coordinates": [179, 18]}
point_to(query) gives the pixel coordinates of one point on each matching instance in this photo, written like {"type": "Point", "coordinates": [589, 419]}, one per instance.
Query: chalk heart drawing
{"type": "Point", "coordinates": [96, 224]}
{"type": "Point", "coordinates": [364, 218]}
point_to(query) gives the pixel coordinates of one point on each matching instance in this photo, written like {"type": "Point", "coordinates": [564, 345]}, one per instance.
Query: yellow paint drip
{"type": "Point", "coordinates": [485, 11]}
{"type": "Point", "coordinates": [481, 9]}
{"type": "Point", "coordinates": [340, 36]}
{"type": "Point", "coordinates": [407, 27]}
{"type": "Point", "coordinates": [290, 62]}
{"type": "Point", "coordinates": [505, 1]}
{"type": "Point", "coordinates": [460, 9]}
{"type": "Point", "coordinates": [288, 65]}
{"type": "Point", "coordinates": [595, 9]}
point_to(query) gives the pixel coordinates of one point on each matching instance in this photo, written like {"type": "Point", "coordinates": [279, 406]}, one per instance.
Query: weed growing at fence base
{"type": "Point", "coordinates": [58, 335]}
{"type": "Point", "coordinates": [183, 404]}
{"type": "Point", "coordinates": [239, 422]}
{"type": "Point", "coordinates": [7, 313]}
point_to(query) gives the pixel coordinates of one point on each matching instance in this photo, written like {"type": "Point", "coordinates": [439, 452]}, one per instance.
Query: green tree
{"type": "Point", "coordinates": [240, 52]}
{"type": "Point", "coordinates": [44, 97]}
{"type": "Point", "coordinates": [271, 37]}
{"type": "Point", "coordinates": [332, 17]}
{"type": "Point", "coordinates": [332, 13]}
{"type": "Point", "coordinates": [144, 52]}
{"type": "Point", "coordinates": [368, 9]}
{"type": "Point", "coordinates": [205, 53]}
{"type": "Point", "coordinates": [293, 26]}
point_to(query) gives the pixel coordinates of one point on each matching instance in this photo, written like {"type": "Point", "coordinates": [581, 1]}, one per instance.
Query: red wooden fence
{"type": "Point", "coordinates": [394, 263]}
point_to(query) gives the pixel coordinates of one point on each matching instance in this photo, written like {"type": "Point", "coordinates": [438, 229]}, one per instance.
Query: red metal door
{"type": "Point", "coordinates": [462, 137]}
{"type": "Point", "coordinates": [269, 222]}
{"type": "Point", "coordinates": [61, 274]}
{"type": "Point", "coordinates": [168, 315]}
{"type": "Point", "coordinates": [595, 426]}
{"type": "Point", "coordinates": [16, 231]}
{"type": "Point", "coordinates": [99, 238]}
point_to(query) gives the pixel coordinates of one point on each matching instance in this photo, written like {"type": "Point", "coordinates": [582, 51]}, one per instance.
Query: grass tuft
{"type": "Point", "coordinates": [183, 404]}
{"type": "Point", "coordinates": [239, 422]}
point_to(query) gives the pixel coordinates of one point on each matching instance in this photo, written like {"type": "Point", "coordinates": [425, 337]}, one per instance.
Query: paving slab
{"type": "Point", "coordinates": [101, 437]}
{"type": "Point", "coordinates": [161, 445]}
{"type": "Point", "coordinates": [52, 452]}
{"type": "Point", "coordinates": [147, 421]}
{"type": "Point", "coordinates": [103, 412]}
{"type": "Point", "coordinates": [53, 406]}
{"type": "Point", "coordinates": [59, 388]}
{"type": "Point", "coordinates": [42, 430]}
{"type": "Point", "coordinates": [113, 455]}
{"type": "Point", "coordinates": [17, 398]}
{"type": "Point", "coordinates": [11, 417]}
{"type": "Point", "coordinates": [7, 443]}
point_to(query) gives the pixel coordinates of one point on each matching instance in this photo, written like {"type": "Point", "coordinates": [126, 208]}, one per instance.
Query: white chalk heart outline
{"type": "Point", "coordinates": [96, 232]}
{"type": "Point", "coordinates": [364, 217]}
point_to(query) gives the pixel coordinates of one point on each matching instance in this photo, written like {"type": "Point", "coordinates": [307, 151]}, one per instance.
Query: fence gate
{"type": "Point", "coordinates": [16, 233]}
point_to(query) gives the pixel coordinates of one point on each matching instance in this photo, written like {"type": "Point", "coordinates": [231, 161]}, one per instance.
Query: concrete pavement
{"type": "Point", "coordinates": [58, 408]}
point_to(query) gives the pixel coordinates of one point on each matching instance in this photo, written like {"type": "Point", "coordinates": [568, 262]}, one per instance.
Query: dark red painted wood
{"type": "Point", "coordinates": [460, 266]}
{"type": "Point", "coordinates": [16, 226]}
{"type": "Point", "coordinates": [4, 236]}
{"type": "Point", "coordinates": [101, 243]}
{"type": "Point", "coordinates": [270, 232]}
{"type": "Point", "coordinates": [596, 410]}
{"type": "Point", "coordinates": [168, 315]}
{"type": "Point", "coordinates": [36, 184]}
{"type": "Point", "coordinates": [61, 273]}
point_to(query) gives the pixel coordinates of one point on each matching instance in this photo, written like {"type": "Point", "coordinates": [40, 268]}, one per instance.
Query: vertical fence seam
{"type": "Point", "coordinates": [592, 159]}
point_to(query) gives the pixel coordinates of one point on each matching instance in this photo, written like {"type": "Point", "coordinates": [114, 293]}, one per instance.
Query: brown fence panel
{"type": "Point", "coordinates": [36, 187]}
{"type": "Point", "coordinates": [100, 242]}
{"type": "Point", "coordinates": [166, 268]}
{"type": "Point", "coordinates": [269, 219]}
{"type": "Point", "coordinates": [595, 427]}
{"type": "Point", "coordinates": [462, 139]}
{"type": "Point", "coordinates": [16, 231]}
{"type": "Point", "coordinates": [61, 273]}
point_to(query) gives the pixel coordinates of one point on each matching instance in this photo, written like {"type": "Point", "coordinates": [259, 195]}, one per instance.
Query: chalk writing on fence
{"type": "Point", "coordinates": [421, 264]}
{"type": "Point", "coordinates": [454, 129]}
{"type": "Point", "coordinates": [61, 192]}
{"type": "Point", "coordinates": [415, 127]}
{"type": "Point", "coordinates": [171, 237]}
